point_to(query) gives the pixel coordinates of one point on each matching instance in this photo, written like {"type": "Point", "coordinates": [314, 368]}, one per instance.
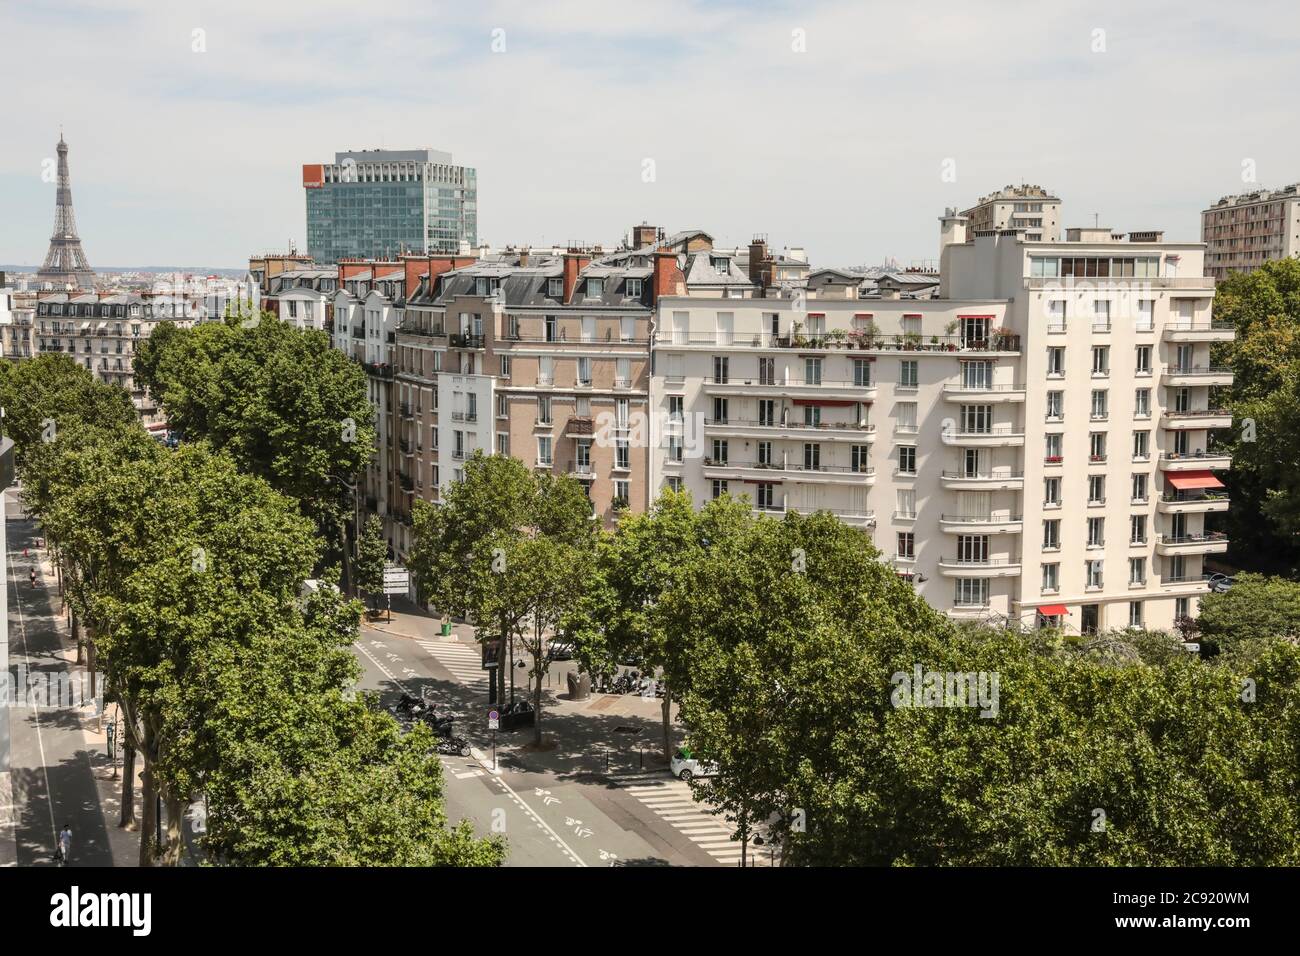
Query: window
{"type": "Point", "coordinates": [860, 455]}
{"type": "Point", "coordinates": [1142, 403]}
{"type": "Point", "coordinates": [767, 371]}
{"type": "Point", "coordinates": [906, 503]}
{"type": "Point", "coordinates": [633, 289]}
{"type": "Point", "coordinates": [622, 455]}
{"type": "Point", "coordinates": [1052, 534]}
{"type": "Point", "coordinates": [595, 288]}
{"type": "Point", "coordinates": [1052, 491]}
{"type": "Point", "coordinates": [907, 374]}
{"type": "Point", "coordinates": [977, 375]}
{"type": "Point", "coordinates": [1142, 360]}
{"type": "Point", "coordinates": [906, 416]}
{"type": "Point", "coordinates": [1051, 578]}
{"type": "Point", "coordinates": [1137, 525]}
{"type": "Point", "coordinates": [765, 453]}
{"type": "Point", "coordinates": [675, 448]}
{"type": "Point", "coordinates": [812, 371]}
{"type": "Point", "coordinates": [1139, 487]}
{"type": "Point", "coordinates": [719, 456]}
{"type": "Point", "coordinates": [1096, 489]}
{"type": "Point", "coordinates": [544, 450]}
{"type": "Point", "coordinates": [503, 445]}
{"type": "Point", "coordinates": [767, 412]}
{"type": "Point", "coordinates": [719, 487]}
{"type": "Point", "coordinates": [721, 369]}
{"type": "Point", "coordinates": [1145, 319]}
{"type": "Point", "coordinates": [622, 373]}
{"type": "Point", "coordinates": [977, 419]}
{"type": "Point", "coordinates": [766, 496]}
{"type": "Point", "coordinates": [584, 371]}
{"type": "Point", "coordinates": [1096, 446]}
{"type": "Point", "coordinates": [1052, 451]}
{"type": "Point", "coordinates": [503, 406]}
{"type": "Point", "coordinates": [1096, 532]}
{"type": "Point", "coordinates": [1135, 613]}
{"type": "Point", "coordinates": [971, 592]}
{"type": "Point", "coordinates": [1056, 361]}
{"type": "Point", "coordinates": [812, 415]}
{"type": "Point", "coordinates": [458, 445]}
{"type": "Point", "coordinates": [1055, 406]}
{"type": "Point", "coordinates": [906, 545]}
{"type": "Point", "coordinates": [1056, 315]}
{"type": "Point", "coordinates": [674, 483]}
{"type": "Point", "coordinates": [1141, 446]}
{"type": "Point", "coordinates": [907, 459]}
{"type": "Point", "coordinates": [861, 372]}
{"type": "Point", "coordinates": [505, 366]}
{"type": "Point", "coordinates": [1100, 360]}
{"type": "Point", "coordinates": [1182, 607]}
{"type": "Point", "coordinates": [1099, 404]}
{"type": "Point", "coordinates": [622, 492]}
{"type": "Point", "coordinates": [720, 408]}
{"type": "Point", "coordinates": [1101, 314]}
{"type": "Point", "coordinates": [972, 548]}
{"type": "Point", "coordinates": [812, 456]}
{"type": "Point", "coordinates": [675, 409]}
{"type": "Point", "coordinates": [1092, 574]}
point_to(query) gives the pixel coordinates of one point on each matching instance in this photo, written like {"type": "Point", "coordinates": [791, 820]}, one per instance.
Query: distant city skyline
{"type": "Point", "coordinates": [841, 128]}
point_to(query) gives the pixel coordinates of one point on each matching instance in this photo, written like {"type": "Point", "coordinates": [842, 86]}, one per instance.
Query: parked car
{"type": "Point", "coordinates": [686, 765]}
{"type": "Point", "coordinates": [1220, 582]}
{"type": "Point", "coordinates": [561, 650]}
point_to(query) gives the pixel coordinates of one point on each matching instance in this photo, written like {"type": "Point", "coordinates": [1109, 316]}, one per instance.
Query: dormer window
{"type": "Point", "coordinates": [555, 288]}
{"type": "Point", "coordinates": [481, 285]}
{"type": "Point", "coordinates": [721, 264]}
{"type": "Point", "coordinates": [634, 288]}
{"type": "Point", "coordinates": [595, 288]}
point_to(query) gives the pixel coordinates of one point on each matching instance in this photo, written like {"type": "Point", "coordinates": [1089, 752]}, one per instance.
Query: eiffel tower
{"type": "Point", "coordinates": [65, 263]}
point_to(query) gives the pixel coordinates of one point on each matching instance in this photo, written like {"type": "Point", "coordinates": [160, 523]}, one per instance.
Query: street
{"type": "Point", "coordinates": [559, 806]}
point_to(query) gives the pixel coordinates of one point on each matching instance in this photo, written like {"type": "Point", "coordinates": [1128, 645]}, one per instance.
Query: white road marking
{"type": "Point", "coordinates": [36, 706]}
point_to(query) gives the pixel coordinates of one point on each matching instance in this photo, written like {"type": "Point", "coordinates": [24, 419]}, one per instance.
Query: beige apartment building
{"type": "Point", "coordinates": [1029, 208]}
{"type": "Point", "coordinates": [1031, 445]}
{"type": "Point", "coordinates": [1243, 232]}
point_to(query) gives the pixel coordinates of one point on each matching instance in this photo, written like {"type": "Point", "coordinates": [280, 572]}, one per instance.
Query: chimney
{"type": "Point", "coordinates": [667, 278]}
{"type": "Point", "coordinates": [760, 264]}
{"type": "Point", "coordinates": [644, 235]}
{"type": "Point", "coordinates": [523, 257]}
{"type": "Point", "coordinates": [574, 263]}
{"type": "Point", "coordinates": [952, 228]}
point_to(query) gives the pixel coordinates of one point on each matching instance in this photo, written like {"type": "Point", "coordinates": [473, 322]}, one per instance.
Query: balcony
{"type": "Point", "coordinates": [412, 328]}
{"type": "Point", "coordinates": [829, 390]}
{"type": "Point", "coordinates": [1183, 502]}
{"type": "Point", "coordinates": [406, 482]}
{"type": "Point", "coordinates": [788, 471]}
{"type": "Point", "coordinates": [1194, 461]}
{"type": "Point", "coordinates": [1199, 332]}
{"type": "Point", "coordinates": [822, 431]}
{"type": "Point", "coordinates": [1118, 283]}
{"type": "Point", "coordinates": [581, 470]}
{"type": "Point", "coordinates": [980, 524]}
{"type": "Point", "coordinates": [979, 567]}
{"type": "Point", "coordinates": [1197, 418]}
{"type": "Point", "coordinates": [991, 481]}
{"type": "Point", "coordinates": [406, 447]}
{"type": "Point", "coordinates": [873, 343]}
{"type": "Point", "coordinates": [857, 519]}
{"type": "Point", "coordinates": [997, 436]}
{"type": "Point", "coordinates": [464, 416]}
{"type": "Point", "coordinates": [1209, 542]}
{"type": "Point", "coordinates": [405, 409]}
{"type": "Point", "coordinates": [579, 426]}
{"type": "Point", "coordinates": [379, 369]}
{"type": "Point", "coordinates": [1196, 375]}
{"type": "Point", "coordinates": [464, 340]}
{"type": "Point", "coordinates": [983, 393]}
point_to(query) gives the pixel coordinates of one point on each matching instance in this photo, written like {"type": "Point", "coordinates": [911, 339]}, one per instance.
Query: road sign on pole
{"type": "Point", "coordinates": [396, 580]}
{"type": "Point", "coordinates": [494, 720]}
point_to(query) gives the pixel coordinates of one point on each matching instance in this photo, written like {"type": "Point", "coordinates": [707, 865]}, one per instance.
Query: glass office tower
{"type": "Point", "coordinates": [380, 203]}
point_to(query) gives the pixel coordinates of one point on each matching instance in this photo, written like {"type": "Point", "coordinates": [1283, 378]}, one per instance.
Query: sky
{"type": "Point", "coordinates": [842, 128]}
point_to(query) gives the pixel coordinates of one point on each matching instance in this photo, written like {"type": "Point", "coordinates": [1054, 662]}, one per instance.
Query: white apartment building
{"type": "Point", "coordinates": [1243, 232]}
{"type": "Point", "coordinates": [1031, 445]}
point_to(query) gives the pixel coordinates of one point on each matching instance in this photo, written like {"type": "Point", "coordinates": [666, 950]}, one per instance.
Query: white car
{"type": "Point", "coordinates": [685, 765]}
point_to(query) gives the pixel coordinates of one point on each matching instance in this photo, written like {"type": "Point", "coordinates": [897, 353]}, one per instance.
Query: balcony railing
{"type": "Point", "coordinates": [981, 519]}
{"type": "Point", "coordinates": [1199, 413]}
{"type": "Point", "coordinates": [411, 328]}
{"type": "Point", "coordinates": [462, 340]}
{"type": "Point", "coordinates": [1207, 537]}
{"type": "Point", "coordinates": [1185, 497]}
{"type": "Point", "coordinates": [1000, 476]}
{"type": "Point", "coordinates": [876, 342]}
{"type": "Point", "coordinates": [979, 562]}
{"type": "Point", "coordinates": [710, 462]}
{"type": "Point", "coordinates": [828, 426]}
{"type": "Point", "coordinates": [1192, 370]}
{"type": "Point", "coordinates": [464, 416]}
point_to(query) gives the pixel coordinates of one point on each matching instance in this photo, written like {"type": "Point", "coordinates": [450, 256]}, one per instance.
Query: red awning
{"type": "Point", "coordinates": [1186, 480]}
{"type": "Point", "coordinates": [1053, 610]}
{"type": "Point", "coordinates": [831, 402]}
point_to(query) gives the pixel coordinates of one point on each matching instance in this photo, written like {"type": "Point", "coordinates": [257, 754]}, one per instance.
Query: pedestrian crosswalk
{"type": "Point", "coordinates": [465, 661]}
{"type": "Point", "coordinates": [672, 801]}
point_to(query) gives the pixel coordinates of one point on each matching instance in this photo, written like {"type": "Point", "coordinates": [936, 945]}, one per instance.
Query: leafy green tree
{"type": "Point", "coordinates": [1254, 607]}
{"type": "Point", "coordinates": [372, 555]}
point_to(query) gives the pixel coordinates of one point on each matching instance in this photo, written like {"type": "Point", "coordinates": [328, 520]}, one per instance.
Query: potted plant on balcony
{"type": "Point", "coordinates": [950, 330]}
{"type": "Point", "coordinates": [836, 337]}
{"type": "Point", "coordinates": [797, 339]}
{"type": "Point", "coordinates": [912, 341]}
{"type": "Point", "coordinates": [1002, 338]}
{"type": "Point", "coordinates": [856, 338]}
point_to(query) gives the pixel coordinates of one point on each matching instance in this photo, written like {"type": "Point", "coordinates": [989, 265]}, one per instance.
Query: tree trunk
{"type": "Point", "coordinates": [91, 661]}
{"type": "Point", "coordinates": [667, 708]}
{"type": "Point", "coordinates": [511, 663]}
{"type": "Point", "coordinates": [76, 639]}
{"type": "Point", "coordinates": [175, 815]}
{"type": "Point", "coordinates": [127, 820]}
{"type": "Point", "coordinates": [149, 806]}
{"type": "Point", "coordinates": [537, 701]}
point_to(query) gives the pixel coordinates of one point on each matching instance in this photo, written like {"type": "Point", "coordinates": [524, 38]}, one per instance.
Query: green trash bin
{"type": "Point", "coordinates": [446, 629]}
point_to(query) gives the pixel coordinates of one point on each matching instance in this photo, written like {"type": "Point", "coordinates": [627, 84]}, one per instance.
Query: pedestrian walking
{"type": "Point", "coordinates": [65, 845]}
{"type": "Point", "coordinates": [31, 575]}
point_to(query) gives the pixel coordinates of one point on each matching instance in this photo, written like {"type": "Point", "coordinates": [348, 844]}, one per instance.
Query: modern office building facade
{"type": "Point", "coordinates": [380, 204]}
{"type": "Point", "coordinates": [1243, 232]}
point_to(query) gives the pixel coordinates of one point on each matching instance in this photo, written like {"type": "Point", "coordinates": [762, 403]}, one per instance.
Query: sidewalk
{"type": "Point", "coordinates": [60, 772]}
{"type": "Point", "coordinates": [606, 733]}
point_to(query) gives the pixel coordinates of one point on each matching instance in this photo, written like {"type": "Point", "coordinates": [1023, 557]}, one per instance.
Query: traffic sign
{"type": "Point", "coordinates": [494, 720]}
{"type": "Point", "coordinates": [396, 580]}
